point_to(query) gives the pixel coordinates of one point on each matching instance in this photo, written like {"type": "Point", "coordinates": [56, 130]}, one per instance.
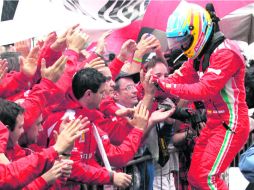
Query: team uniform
{"type": "Point", "coordinates": [221, 87]}
{"type": "Point", "coordinates": [85, 149]}
{"type": "Point", "coordinates": [86, 146]}
{"type": "Point", "coordinates": [21, 172]}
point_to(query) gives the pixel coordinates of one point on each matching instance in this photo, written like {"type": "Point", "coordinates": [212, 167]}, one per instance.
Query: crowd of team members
{"type": "Point", "coordinates": [49, 108]}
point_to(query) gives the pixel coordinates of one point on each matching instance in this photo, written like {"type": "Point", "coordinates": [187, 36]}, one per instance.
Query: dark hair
{"type": "Point", "coordinates": [152, 62]}
{"type": "Point", "coordinates": [135, 77]}
{"type": "Point", "coordinates": [117, 85]}
{"type": "Point", "coordinates": [84, 79]}
{"type": "Point", "coordinates": [9, 112]}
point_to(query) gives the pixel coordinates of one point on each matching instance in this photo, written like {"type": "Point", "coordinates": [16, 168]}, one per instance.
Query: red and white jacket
{"type": "Point", "coordinates": [221, 86]}
{"type": "Point", "coordinates": [21, 172]}
{"type": "Point", "coordinates": [86, 147]}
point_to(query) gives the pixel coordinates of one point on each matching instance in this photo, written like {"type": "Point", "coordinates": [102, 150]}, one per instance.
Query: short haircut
{"type": "Point", "coordinates": [117, 85]}
{"type": "Point", "coordinates": [135, 77]}
{"type": "Point", "coordinates": [84, 79]}
{"type": "Point", "coordinates": [9, 112]}
{"type": "Point", "coordinates": [152, 62]}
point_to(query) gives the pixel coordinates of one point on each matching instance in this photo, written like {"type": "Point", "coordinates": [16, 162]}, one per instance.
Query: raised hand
{"type": "Point", "coordinates": [66, 168]}
{"type": "Point", "coordinates": [140, 117]}
{"type": "Point", "coordinates": [148, 84]}
{"type": "Point", "coordinates": [76, 39]}
{"type": "Point", "coordinates": [159, 84]}
{"type": "Point", "coordinates": [66, 120]}
{"type": "Point", "coordinates": [125, 112]}
{"type": "Point", "coordinates": [28, 65]}
{"type": "Point", "coordinates": [146, 44]}
{"type": "Point", "coordinates": [96, 63]}
{"type": "Point", "coordinates": [122, 180]}
{"type": "Point", "coordinates": [23, 47]}
{"type": "Point", "coordinates": [50, 39]}
{"type": "Point", "coordinates": [127, 50]}
{"type": "Point", "coordinates": [158, 50]}
{"type": "Point", "coordinates": [59, 44]}
{"type": "Point", "coordinates": [101, 43]}
{"type": "Point", "coordinates": [160, 115]}
{"type": "Point", "coordinates": [157, 45]}
{"type": "Point", "coordinates": [71, 130]}
{"type": "Point", "coordinates": [40, 43]}
{"type": "Point", "coordinates": [55, 71]}
{"type": "Point", "coordinates": [3, 68]}
{"type": "Point", "coordinates": [61, 168]}
{"type": "Point", "coordinates": [54, 173]}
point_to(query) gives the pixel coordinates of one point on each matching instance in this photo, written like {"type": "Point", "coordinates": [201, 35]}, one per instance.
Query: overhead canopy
{"type": "Point", "coordinates": [236, 23]}
{"type": "Point", "coordinates": [157, 13]}
{"type": "Point", "coordinates": [239, 25]}
{"type": "Point", "coordinates": [37, 18]}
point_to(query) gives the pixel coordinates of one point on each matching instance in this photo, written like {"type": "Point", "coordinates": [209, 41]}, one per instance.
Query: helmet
{"type": "Point", "coordinates": [189, 27]}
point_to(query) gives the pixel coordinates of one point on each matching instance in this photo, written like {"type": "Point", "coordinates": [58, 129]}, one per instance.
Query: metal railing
{"type": "Point", "coordinates": [246, 146]}
{"type": "Point", "coordinates": [143, 160]}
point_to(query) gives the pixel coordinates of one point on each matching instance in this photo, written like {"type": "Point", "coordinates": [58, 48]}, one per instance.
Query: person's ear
{"type": "Point", "coordinates": [88, 93]}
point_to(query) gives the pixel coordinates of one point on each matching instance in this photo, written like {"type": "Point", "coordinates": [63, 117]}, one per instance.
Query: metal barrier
{"type": "Point", "coordinates": [246, 146]}
{"type": "Point", "coordinates": [136, 182]}
{"type": "Point", "coordinates": [138, 169]}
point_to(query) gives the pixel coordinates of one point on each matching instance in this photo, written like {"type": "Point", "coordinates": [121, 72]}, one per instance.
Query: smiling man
{"type": "Point", "coordinates": [125, 90]}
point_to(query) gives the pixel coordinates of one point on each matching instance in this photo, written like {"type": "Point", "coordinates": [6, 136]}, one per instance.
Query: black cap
{"type": "Point", "coordinates": [134, 76]}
